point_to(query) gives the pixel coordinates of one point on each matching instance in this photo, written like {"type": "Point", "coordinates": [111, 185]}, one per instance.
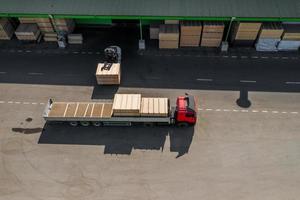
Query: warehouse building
{"type": "Point", "coordinates": [267, 25]}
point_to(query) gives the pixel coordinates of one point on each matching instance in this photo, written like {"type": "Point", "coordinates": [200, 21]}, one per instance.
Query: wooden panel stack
{"type": "Point", "coordinates": [212, 34]}
{"type": "Point", "coordinates": [6, 29]}
{"type": "Point", "coordinates": [291, 38]}
{"type": "Point", "coordinates": [154, 31]}
{"type": "Point", "coordinates": [245, 33]}
{"type": "Point", "coordinates": [190, 33]}
{"type": "Point", "coordinates": [172, 21]}
{"type": "Point", "coordinates": [154, 107]}
{"type": "Point", "coordinates": [75, 38]}
{"type": "Point", "coordinates": [108, 74]}
{"type": "Point", "coordinates": [127, 105]}
{"type": "Point", "coordinates": [45, 25]}
{"type": "Point", "coordinates": [63, 25]}
{"type": "Point", "coordinates": [269, 36]}
{"type": "Point", "coordinates": [50, 37]}
{"type": "Point", "coordinates": [29, 32]}
{"type": "Point", "coordinates": [168, 36]}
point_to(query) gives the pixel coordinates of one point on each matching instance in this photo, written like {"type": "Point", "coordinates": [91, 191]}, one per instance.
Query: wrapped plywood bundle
{"type": "Point", "coordinates": [108, 74]}
{"type": "Point", "coordinates": [168, 36]}
{"type": "Point", "coordinates": [75, 38]}
{"type": "Point", "coordinates": [127, 105]}
{"type": "Point", "coordinates": [6, 29]}
{"type": "Point", "coordinates": [269, 36]}
{"type": "Point", "coordinates": [29, 32]}
{"type": "Point", "coordinates": [154, 31]}
{"type": "Point", "coordinates": [212, 34]}
{"type": "Point", "coordinates": [154, 107]}
{"type": "Point", "coordinates": [290, 38]}
{"type": "Point", "coordinates": [190, 33]}
{"type": "Point", "coordinates": [245, 33]}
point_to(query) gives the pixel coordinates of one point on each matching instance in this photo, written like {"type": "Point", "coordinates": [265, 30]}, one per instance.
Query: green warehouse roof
{"type": "Point", "coordinates": [156, 8]}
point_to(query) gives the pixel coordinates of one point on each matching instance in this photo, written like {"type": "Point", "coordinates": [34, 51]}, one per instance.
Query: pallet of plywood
{"type": "Point", "coordinates": [190, 33]}
{"type": "Point", "coordinates": [291, 32]}
{"type": "Point", "coordinates": [168, 36]}
{"type": "Point", "coordinates": [75, 38]}
{"type": "Point", "coordinates": [28, 32]}
{"type": "Point", "coordinates": [108, 73]}
{"type": "Point", "coordinates": [154, 107]}
{"type": "Point", "coordinates": [63, 25]}
{"type": "Point", "coordinates": [245, 31]}
{"type": "Point", "coordinates": [212, 34]}
{"type": "Point", "coordinates": [271, 30]}
{"type": "Point", "coordinates": [6, 29]}
{"type": "Point", "coordinates": [80, 110]}
{"type": "Point", "coordinates": [127, 105]}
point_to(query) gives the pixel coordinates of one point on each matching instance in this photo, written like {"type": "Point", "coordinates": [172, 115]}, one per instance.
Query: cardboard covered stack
{"type": "Point", "coordinates": [108, 74]}
{"type": "Point", "coordinates": [168, 36]}
{"type": "Point", "coordinates": [154, 31]}
{"type": "Point", "coordinates": [190, 33]}
{"type": "Point", "coordinates": [154, 107]}
{"type": "Point", "coordinates": [245, 33]}
{"type": "Point", "coordinates": [63, 25]}
{"type": "Point", "coordinates": [269, 36]}
{"type": "Point", "coordinates": [29, 32]}
{"type": "Point", "coordinates": [212, 34]}
{"type": "Point", "coordinates": [6, 29]}
{"type": "Point", "coordinates": [127, 105]}
{"type": "Point", "coordinates": [290, 38]}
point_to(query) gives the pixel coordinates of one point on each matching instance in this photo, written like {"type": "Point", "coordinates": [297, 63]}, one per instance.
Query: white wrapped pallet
{"type": "Point", "coordinates": [288, 45]}
{"type": "Point", "coordinates": [267, 44]}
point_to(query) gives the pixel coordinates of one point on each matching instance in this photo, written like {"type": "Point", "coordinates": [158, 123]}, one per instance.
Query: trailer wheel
{"type": "Point", "coordinates": [84, 123]}
{"type": "Point", "coordinates": [74, 123]}
{"type": "Point", "coordinates": [97, 124]}
{"type": "Point", "coordinates": [182, 124]}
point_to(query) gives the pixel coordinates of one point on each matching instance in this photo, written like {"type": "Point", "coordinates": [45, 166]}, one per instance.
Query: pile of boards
{"type": "Point", "coordinates": [154, 31]}
{"type": "Point", "coordinates": [6, 29]}
{"type": "Point", "coordinates": [190, 33]}
{"type": "Point", "coordinates": [28, 32]}
{"type": "Point", "coordinates": [108, 73]}
{"type": "Point", "coordinates": [212, 34]}
{"type": "Point", "coordinates": [134, 105]}
{"type": "Point", "coordinates": [168, 36]}
{"type": "Point", "coordinates": [245, 33]}
{"type": "Point", "coordinates": [269, 36]}
{"type": "Point", "coordinates": [290, 38]}
{"type": "Point", "coordinates": [75, 38]}
{"type": "Point", "coordinates": [64, 25]}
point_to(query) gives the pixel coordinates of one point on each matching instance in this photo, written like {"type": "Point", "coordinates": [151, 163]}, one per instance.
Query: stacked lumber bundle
{"type": "Point", "coordinates": [29, 32]}
{"type": "Point", "coordinates": [269, 36]}
{"type": "Point", "coordinates": [108, 74]}
{"type": "Point", "coordinates": [25, 20]}
{"type": "Point", "coordinates": [154, 107]}
{"type": "Point", "coordinates": [245, 33]}
{"type": "Point", "coordinates": [127, 105]}
{"type": "Point", "coordinates": [64, 25]}
{"type": "Point", "coordinates": [190, 33]}
{"type": "Point", "coordinates": [212, 34]}
{"type": "Point", "coordinates": [45, 25]}
{"type": "Point", "coordinates": [291, 38]}
{"type": "Point", "coordinates": [172, 21]}
{"type": "Point", "coordinates": [6, 29]}
{"type": "Point", "coordinates": [50, 37]}
{"type": "Point", "coordinates": [154, 31]}
{"type": "Point", "coordinates": [75, 38]}
{"type": "Point", "coordinates": [168, 36]}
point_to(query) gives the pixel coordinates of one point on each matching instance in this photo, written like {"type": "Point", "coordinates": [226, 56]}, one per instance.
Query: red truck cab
{"type": "Point", "coordinates": [185, 113]}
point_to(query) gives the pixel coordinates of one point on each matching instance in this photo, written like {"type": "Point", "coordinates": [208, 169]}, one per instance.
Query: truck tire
{"type": "Point", "coordinates": [84, 123]}
{"type": "Point", "coordinates": [97, 124]}
{"type": "Point", "coordinates": [182, 124]}
{"type": "Point", "coordinates": [73, 123]}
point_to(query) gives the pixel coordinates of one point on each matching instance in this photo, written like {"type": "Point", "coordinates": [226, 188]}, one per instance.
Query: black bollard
{"type": "Point", "coordinates": [243, 101]}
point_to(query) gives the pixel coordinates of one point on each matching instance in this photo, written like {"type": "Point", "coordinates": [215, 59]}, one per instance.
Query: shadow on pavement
{"type": "Point", "coordinates": [120, 140]}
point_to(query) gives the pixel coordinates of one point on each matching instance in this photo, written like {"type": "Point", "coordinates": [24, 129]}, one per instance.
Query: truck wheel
{"type": "Point", "coordinates": [182, 124]}
{"type": "Point", "coordinates": [84, 123]}
{"type": "Point", "coordinates": [97, 124]}
{"type": "Point", "coordinates": [73, 123]}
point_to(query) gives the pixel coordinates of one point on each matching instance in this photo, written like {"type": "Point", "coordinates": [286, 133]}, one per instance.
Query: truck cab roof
{"type": "Point", "coordinates": [186, 103]}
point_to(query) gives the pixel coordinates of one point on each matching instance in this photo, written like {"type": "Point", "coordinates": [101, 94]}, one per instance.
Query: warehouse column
{"type": "Point", "coordinates": [225, 43]}
{"type": "Point", "coordinates": [142, 45]}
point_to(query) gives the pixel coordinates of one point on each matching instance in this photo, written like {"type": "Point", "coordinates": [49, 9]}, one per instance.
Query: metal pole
{"type": "Point", "coordinates": [141, 30]}
{"type": "Point", "coordinates": [229, 28]}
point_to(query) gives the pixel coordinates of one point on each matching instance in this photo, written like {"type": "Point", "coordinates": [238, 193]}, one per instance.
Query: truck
{"type": "Point", "coordinates": [105, 113]}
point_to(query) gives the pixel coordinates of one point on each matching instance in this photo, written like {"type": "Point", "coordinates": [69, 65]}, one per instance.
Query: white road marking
{"type": "Point", "coordinates": [245, 110]}
{"type": "Point", "coordinates": [200, 109]}
{"type": "Point", "coordinates": [226, 110]}
{"type": "Point", "coordinates": [255, 111]}
{"type": "Point", "coordinates": [265, 111]}
{"type": "Point", "coordinates": [208, 109]}
{"type": "Point", "coordinates": [294, 112]}
{"type": "Point", "coordinates": [20, 51]}
{"type": "Point", "coordinates": [25, 103]}
{"type": "Point", "coordinates": [42, 103]}
{"type": "Point", "coordinates": [283, 112]}
{"type": "Point", "coordinates": [75, 52]}
{"type": "Point", "coordinates": [35, 73]}
{"type": "Point", "coordinates": [17, 102]}
{"type": "Point", "coordinates": [28, 51]}
{"type": "Point", "coordinates": [285, 58]}
{"type": "Point", "coordinates": [2, 101]}
{"type": "Point", "coordinates": [33, 103]}
{"type": "Point", "coordinates": [218, 110]}
{"type": "Point", "coordinates": [10, 102]}
{"type": "Point", "coordinates": [292, 82]}
{"type": "Point", "coordinates": [264, 57]}
{"type": "Point", "coordinates": [204, 79]}
{"type": "Point", "coordinates": [233, 56]}
{"type": "Point", "coordinates": [247, 81]}
{"type": "Point", "coordinates": [254, 57]}
{"type": "Point", "coordinates": [3, 72]}
{"type": "Point", "coordinates": [275, 112]}
{"type": "Point", "coordinates": [235, 110]}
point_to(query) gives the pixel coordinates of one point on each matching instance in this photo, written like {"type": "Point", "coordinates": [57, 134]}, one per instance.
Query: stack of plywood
{"type": "Point", "coordinates": [127, 105]}
{"type": "Point", "coordinates": [269, 36]}
{"type": "Point", "coordinates": [168, 36]}
{"type": "Point", "coordinates": [45, 25]}
{"type": "Point", "coordinates": [108, 74]}
{"type": "Point", "coordinates": [190, 33]}
{"type": "Point", "coordinates": [26, 20]}
{"type": "Point", "coordinates": [245, 33]}
{"type": "Point", "coordinates": [64, 25]}
{"type": "Point", "coordinates": [212, 34]}
{"type": "Point", "coordinates": [154, 107]}
{"type": "Point", "coordinates": [154, 31]}
{"type": "Point", "coordinates": [29, 32]}
{"type": "Point", "coordinates": [6, 29]}
{"type": "Point", "coordinates": [172, 21]}
{"type": "Point", "coordinates": [291, 38]}
{"type": "Point", "coordinates": [75, 38]}
{"type": "Point", "coordinates": [50, 37]}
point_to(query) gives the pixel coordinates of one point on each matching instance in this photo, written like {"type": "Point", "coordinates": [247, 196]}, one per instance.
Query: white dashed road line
{"type": "Point", "coordinates": [35, 74]}
{"type": "Point", "coordinates": [247, 81]}
{"type": "Point", "coordinates": [292, 83]}
{"type": "Point", "coordinates": [204, 79]}
{"type": "Point", "coordinates": [248, 111]}
{"type": "Point", "coordinates": [3, 72]}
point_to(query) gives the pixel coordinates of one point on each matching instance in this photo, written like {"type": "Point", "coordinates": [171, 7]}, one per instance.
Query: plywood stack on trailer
{"type": "Point", "coordinates": [63, 25]}
{"type": "Point", "coordinates": [290, 38]}
{"type": "Point", "coordinates": [108, 74]}
{"type": "Point", "coordinates": [212, 34]}
{"type": "Point", "coordinates": [245, 33]}
{"type": "Point", "coordinates": [154, 107]}
{"type": "Point", "coordinates": [154, 31]}
{"type": "Point", "coordinates": [127, 105]}
{"type": "Point", "coordinates": [6, 29]}
{"type": "Point", "coordinates": [168, 36]}
{"type": "Point", "coordinates": [28, 32]}
{"type": "Point", "coordinates": [190, 33]}
{"type": "Point", "coordinates": [269, 36]}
